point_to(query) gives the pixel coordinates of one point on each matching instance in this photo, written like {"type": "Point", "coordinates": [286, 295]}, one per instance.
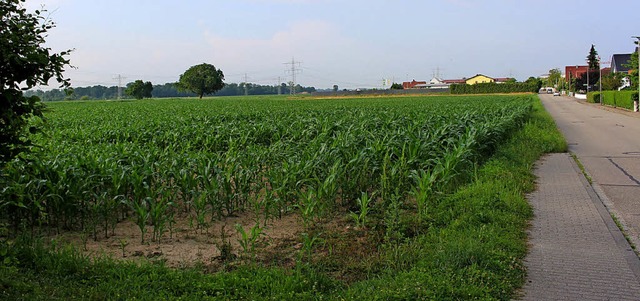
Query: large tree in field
{"type": "Point", "coordinates": [201, 79]}
{"type": "Point", "coordinates": [139, 89]}
{"type": "Point", "coordinates": [24, 64]}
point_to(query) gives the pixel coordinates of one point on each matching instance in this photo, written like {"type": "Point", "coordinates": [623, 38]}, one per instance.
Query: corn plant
{"type": "Point", "coordinates": [249, 240]}
{"type": "Point", "coordinates": [158, 214]}
{"type": "Point", "coordinates": [361, 216]}
{"type": "Point", "coordinates": [101, 163]}
{"type": "Point", "coordinates": [308, 205]}
{"type": "Point", "coordinates": [141, 212]}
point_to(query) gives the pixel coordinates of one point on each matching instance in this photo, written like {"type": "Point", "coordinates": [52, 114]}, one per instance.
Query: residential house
{"type": "Point", "coordinates": [574, 71]}
{"type": "Point", "coordinates": [619, 64]}
{"type": "Point", "coordinates": [434, 83]}
{"type": "Point", "coordinates": [502, 80]}
{"type": "Point", "coordinates": [412, 84]}
{"type": "Point", "coordinates": [479, 79]}
{"type": "Point", "coordinates": [454, 81]}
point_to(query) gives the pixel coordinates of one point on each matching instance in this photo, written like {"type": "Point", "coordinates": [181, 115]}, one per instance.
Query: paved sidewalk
{"type": "Point", "coordinates": [576, 250]}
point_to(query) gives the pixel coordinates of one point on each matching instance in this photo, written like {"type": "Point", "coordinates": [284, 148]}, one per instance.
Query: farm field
{"type": "Point", "coordinates": [276, 198]}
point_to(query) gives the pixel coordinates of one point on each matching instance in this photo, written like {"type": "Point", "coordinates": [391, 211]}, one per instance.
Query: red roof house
{"type": "Point", "coordinates": [574, 71]}
{"type": "Point", "coordinates": [412, 84]}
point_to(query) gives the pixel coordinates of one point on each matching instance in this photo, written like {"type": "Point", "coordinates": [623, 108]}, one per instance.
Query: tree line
{"type": "Point", "coordinates": [166, 90]}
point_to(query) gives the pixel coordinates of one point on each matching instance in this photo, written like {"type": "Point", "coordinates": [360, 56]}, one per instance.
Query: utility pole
{"type": "Point", "coordinates": [294, 70]}
{"type": "Point", "coordinates": [635, 102]}
{"type": "Point", "coordinates": [279, 84]}
{"type": "Point", "coordinates": [246, 88]}
{"type": "Point", "coordinates": [120, 78]}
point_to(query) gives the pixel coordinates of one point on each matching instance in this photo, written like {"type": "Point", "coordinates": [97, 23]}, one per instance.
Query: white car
{"type": "Point", "coordinates": [556, 93]}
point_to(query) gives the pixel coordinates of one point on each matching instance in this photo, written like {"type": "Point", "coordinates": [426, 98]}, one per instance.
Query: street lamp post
{"type": "Point", "coordinates": [635, 102]}
{"type": "Point", "coordinates": [600, 81]}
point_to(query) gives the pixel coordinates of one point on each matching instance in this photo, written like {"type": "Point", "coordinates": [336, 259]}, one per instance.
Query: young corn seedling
{"type": "Point", "coordinates": [158, 215]}
{"type": "Point", "coordinates": [361, 217]}
{"type": "Point", "coordinates": [308, 206]}
{"type": "Point", "coordinates": [424, 188]}
{"type": "Point", "coordinates": [249, 241]}
{"type": "Point", "coordinates": [199, 208]}
{"type": "Point", "coordinates": [141, 211]}
{"type": "Point", "coordinates": [309, 241]}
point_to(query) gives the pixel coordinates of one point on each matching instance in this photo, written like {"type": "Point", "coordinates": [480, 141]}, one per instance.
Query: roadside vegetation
{"type": "Point", "coordinates": [396, 198]}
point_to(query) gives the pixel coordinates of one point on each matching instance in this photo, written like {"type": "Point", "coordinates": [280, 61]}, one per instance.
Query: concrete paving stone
{"type": "Point", "coordinates": [574, 251]}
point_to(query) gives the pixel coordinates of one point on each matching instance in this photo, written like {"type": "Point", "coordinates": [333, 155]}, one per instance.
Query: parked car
{"type": "Point", "coordinates": [556, 93]}
{"type": "Point", "coordinates": [549, 91]}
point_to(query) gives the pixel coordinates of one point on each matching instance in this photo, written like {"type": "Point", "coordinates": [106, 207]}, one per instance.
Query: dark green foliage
{"type": "Point", "coordinates": [203, 79]}
{"type": "Point", "coordinates": [24, 63]}
{"type": "Point", "coordinates": [488, 88]}
{"type": "Point", "coordinates": [593, 78]}
{"type": "Point", "coordinates": [139, 89]}
{"type": "Point", "coordinates": [592, 59]}
{"type": "Point", "coordinates": [168, 90]}
{"type": "Point", "coordinates": [396, 86]}
{"type": "Point", "coordinates": [633, 65]}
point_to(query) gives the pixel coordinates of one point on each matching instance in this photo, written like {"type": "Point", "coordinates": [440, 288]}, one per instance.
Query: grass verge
{"type": "Point", "coordinates": [472, 248]}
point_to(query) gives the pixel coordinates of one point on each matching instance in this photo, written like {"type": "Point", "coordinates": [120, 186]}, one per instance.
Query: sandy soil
{"type": "Point", "coordinates": [187, 246]}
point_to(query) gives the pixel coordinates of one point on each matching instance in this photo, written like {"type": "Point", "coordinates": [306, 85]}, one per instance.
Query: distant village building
{"type": "Point", "coordinates": [437, 83]}
{"type": "Point", "coordinates": [480, 79]}
{"type": "Point", "coordinates": [412, 84]}
{"type": "Point", "coordinates": [574, 71]}
{"type": "Point", "coordinates": [434, 83]}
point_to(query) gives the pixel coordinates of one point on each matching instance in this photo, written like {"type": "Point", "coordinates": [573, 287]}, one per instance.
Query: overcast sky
{"type": "Point", "coordinates": [351, 43]}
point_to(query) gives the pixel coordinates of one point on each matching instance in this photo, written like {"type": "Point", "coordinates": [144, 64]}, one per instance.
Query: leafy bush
{"type": "Point", "coordinates": [623, 99]}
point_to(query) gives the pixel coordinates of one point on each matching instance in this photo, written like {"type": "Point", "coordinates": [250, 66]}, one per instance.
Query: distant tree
{"type": "Point", "coordinates": [633, 67]}
{"type": "Point", "coordinates": [24, 64]}
{"type": "Point", "coordinates": [335, 88]}
{"type": "Point", "coordinates": [511, 80]}
{"type": "Point", "coordinates": [139, 89]}
{"type": "Point", "coordinates": [201, 79]}
{"type": "Point", "coordinates": [555, 76]}
{"type": "Point", "coordinates": [592, 58]}
{"type": "Point", "coordinates": [535, 81]}
{"type": "Point", "coordinates": [396, 86]}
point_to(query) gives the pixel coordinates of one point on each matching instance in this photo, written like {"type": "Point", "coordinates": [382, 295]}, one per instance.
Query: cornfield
{"type": "Point", "coordinates": [100, 163]}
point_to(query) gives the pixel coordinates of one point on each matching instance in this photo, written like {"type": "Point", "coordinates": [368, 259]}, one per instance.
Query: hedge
{"type": "Point", "coordinates": [485, 88]}
{"type": "Point", "coordinates": [623, 99]}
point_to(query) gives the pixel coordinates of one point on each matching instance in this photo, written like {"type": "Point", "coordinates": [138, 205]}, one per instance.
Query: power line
{"type": "Point", "coordinates": [294, 70]}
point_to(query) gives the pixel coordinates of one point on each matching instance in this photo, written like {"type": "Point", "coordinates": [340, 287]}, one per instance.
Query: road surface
{"type": "Point", "coordinates": [607, 143]}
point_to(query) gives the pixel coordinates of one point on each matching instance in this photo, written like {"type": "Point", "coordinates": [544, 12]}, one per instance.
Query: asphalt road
{"type": "Point", "coordinates": [607, 143]}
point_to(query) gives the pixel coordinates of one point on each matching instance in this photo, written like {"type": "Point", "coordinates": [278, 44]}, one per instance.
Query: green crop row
{"type": "Point", "coordinates": [103, 162]}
